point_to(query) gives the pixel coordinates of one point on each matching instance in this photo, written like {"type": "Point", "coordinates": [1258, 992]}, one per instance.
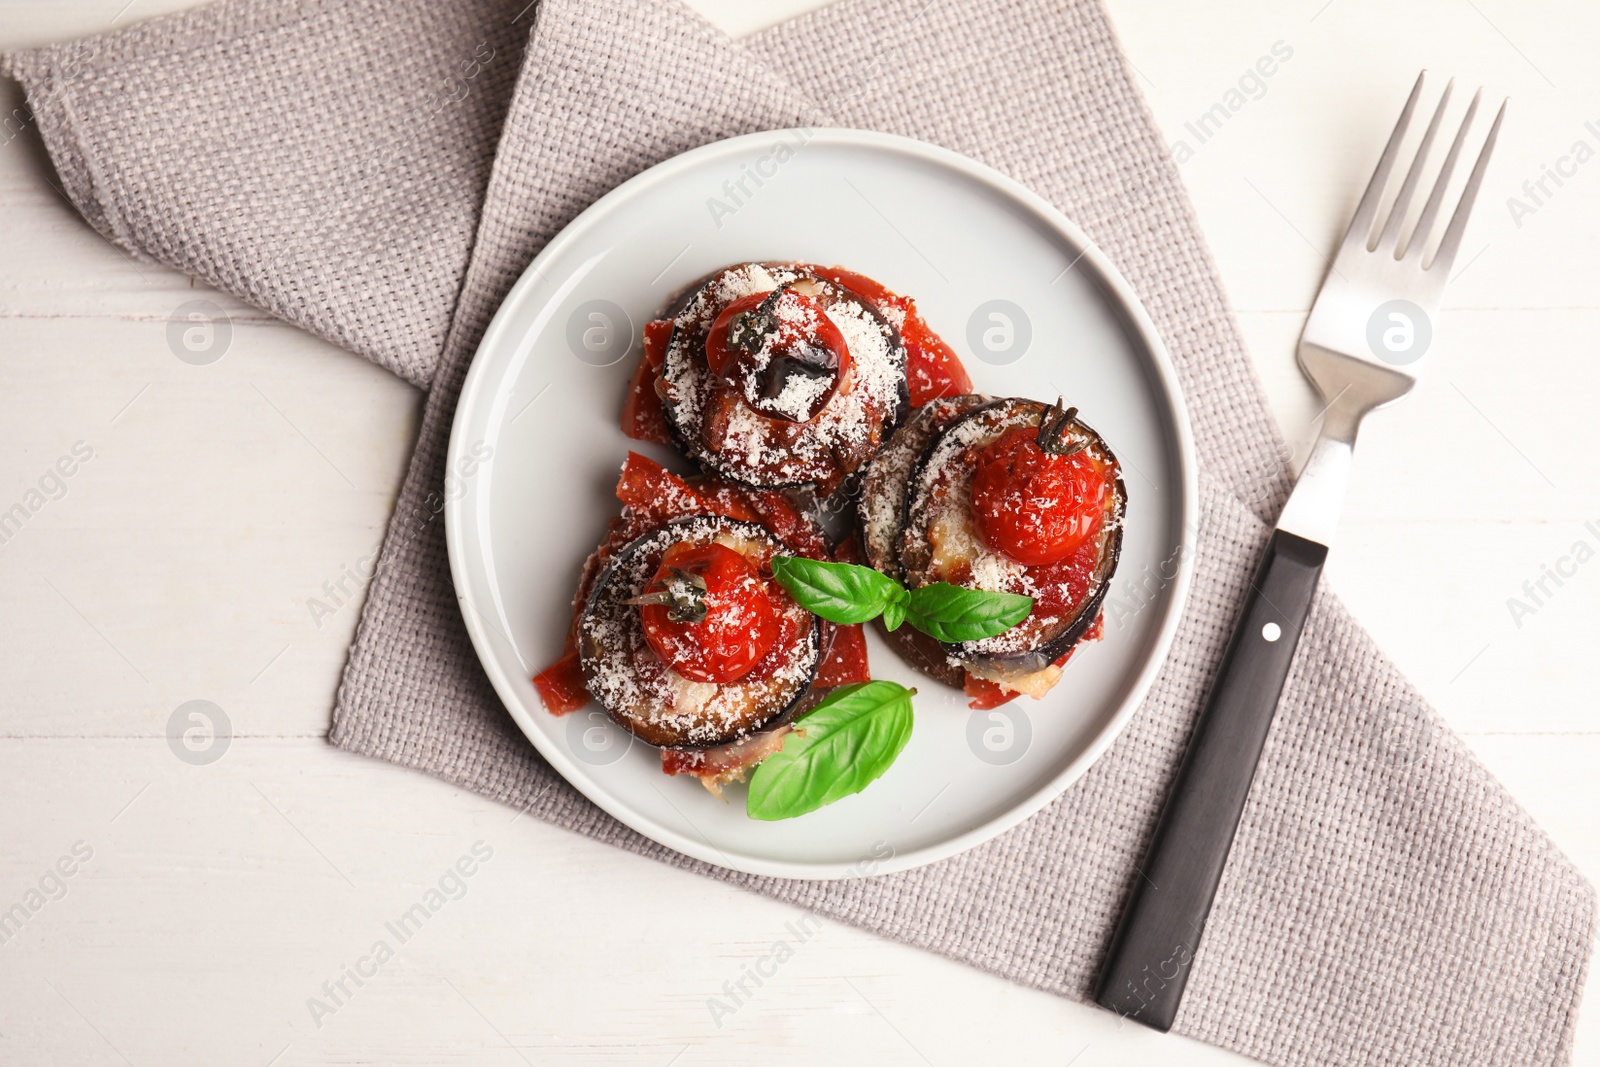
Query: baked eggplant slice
{"type": "Point", "coordinates": [664, 706]}
{"type": "Point", "coordinates": [941, 538]}
{"type": "Point", "coordinates": [880, 515]}
{"type": "Point", "coordinates": [881, 507]}
{"type": "Point", "coordinates": [776, 377]}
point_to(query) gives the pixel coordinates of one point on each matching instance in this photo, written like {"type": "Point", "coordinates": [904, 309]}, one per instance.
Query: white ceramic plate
{"type": "Point", "coordinates": [1033, 308]}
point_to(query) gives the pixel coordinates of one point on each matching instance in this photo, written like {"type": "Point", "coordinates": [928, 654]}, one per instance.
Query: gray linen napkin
{"type": "Point", "coordinates": [381, 172]}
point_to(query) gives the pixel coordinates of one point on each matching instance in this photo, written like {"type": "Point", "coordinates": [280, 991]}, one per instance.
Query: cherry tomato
{"type": "Point", "coordinates": [1032, 506]}
{"type": "Point", "coordinates": [711, 634]}
{"type": "Point", "coordinates": [776, 358]}
{"type": "Point", "coordinates": [719, 357]}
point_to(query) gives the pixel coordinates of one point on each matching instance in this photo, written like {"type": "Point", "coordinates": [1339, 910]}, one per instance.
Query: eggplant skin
{"type": "Point", "coordinates": [880, 515]}
{"type": "Point", "coordinates": [823, 453]}
{"type": "Point", "coordinates": [880, 506]}
{"type": "Point", "coordinates": [974, 429]}
{"type": "Point", "coordinates": [636, 689]}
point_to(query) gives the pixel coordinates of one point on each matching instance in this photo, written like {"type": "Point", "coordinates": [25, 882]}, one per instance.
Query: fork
{"type": "Point", "coordinates": [1362, 348]}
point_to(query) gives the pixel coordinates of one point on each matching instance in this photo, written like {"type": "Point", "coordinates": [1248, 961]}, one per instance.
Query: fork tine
{"type": "Point", "coordinates": [1390, 238]}
{"type": "Point", "coordinates": [1419, 236]}
{"type": "Point", "coordinates": [1361, 224]}
{"type": "Point", "coordinates": [1458, 222]}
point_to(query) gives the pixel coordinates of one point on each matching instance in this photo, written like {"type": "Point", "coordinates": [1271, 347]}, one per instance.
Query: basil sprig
{"type": "Point", "coordinates": [954, 613]}
{"type": "Point", "coordinates": [841, 592]}
{"type": "Point", "coordinates": [847, 593]}
{"type": "Point", "coordinates": [844, 745]}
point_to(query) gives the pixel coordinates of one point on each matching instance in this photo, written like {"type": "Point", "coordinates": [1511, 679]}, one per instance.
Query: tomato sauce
{"type": "Point", "coordinates": [642, 416]}
{"type": "Point", "coordinates": [561, 684]}
{"type": "Point", "coordinates": [846, 662]}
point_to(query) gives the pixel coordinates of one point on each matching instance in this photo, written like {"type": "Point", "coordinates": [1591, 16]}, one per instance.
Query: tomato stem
{"type": "Point", "coordinates": [1054, 427]}
{"type": "Point", "coordinates": [756, 324]}
{"type": "Point", "coordinates": [684, 597]}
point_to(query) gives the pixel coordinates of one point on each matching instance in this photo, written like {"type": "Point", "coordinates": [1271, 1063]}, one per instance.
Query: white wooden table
{"type": "Point", "coordinates": [209, 904]}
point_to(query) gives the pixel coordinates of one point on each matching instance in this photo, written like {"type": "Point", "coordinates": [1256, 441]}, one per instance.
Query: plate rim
{"type": "Point", "coordinates": [1136, 319]}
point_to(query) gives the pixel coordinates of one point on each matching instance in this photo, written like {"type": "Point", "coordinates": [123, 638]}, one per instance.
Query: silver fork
{"type": "Point", "coordinates": [1372, 322]}
{"type": "Point", "coordinates": [1363, 345]}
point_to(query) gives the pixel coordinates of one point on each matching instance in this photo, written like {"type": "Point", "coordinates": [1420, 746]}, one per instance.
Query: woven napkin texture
{"type": "Point", "coordinates": [380, 173]}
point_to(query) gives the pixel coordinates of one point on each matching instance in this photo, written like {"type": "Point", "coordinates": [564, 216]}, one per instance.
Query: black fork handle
{"type": "Point", "coordinates": [1153, 949]}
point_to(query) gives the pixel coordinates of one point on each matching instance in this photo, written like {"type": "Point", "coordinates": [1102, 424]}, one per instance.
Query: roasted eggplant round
{"type": "Point", "coordinates": [648, 698]}
{"type": "Point", "coordinates": [881, 512]}
{"type": "Point", "coordinates": [809, 378]}
{"type": "Point", "coordinates": [881, 507]}
{"type": "Point", "coordinates": [940, 541]}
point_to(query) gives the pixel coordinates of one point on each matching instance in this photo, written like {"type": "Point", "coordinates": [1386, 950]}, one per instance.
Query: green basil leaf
{"type": "Point", "coordinates": [894, 612]}
{"type": "Point", "coordinates": [839, 592]}
{"type": "Point", "coordinates": [952, 613]}
{"type": "Point", "coordinates": [840, 748]}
